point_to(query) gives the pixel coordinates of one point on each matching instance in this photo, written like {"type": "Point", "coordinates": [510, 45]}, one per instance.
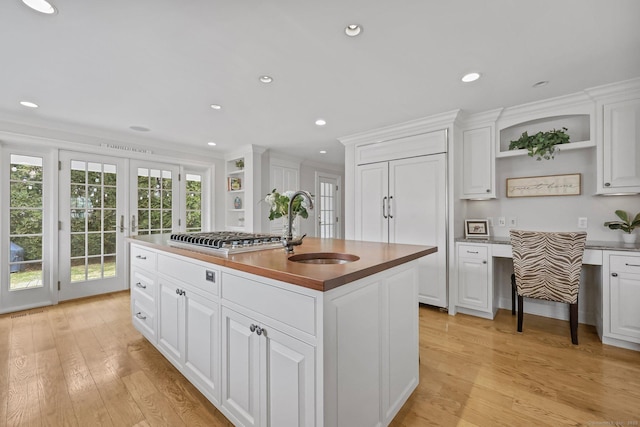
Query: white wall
{"type": "Point", "coordinates": [554, 213]}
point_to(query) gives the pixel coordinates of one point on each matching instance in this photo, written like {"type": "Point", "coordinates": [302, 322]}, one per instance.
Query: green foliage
{"type": "Point", "coordinates": [280, 205]}
{"type": "Point", "coordinates": [627, 225]}
{"type": "Point", "coordinates": [240, 163]}
{"type": "Point", "coordinates": [542, 144]}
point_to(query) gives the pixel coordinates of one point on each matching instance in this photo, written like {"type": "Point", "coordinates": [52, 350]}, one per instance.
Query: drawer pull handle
{"type": "Point", "coordinates": [614, 274]}
{"type": "Point", "coordinates": [140, 285]}
{"type": "Point", "coordinates": [140, 316]}
{"type": "Point", "coordinates": [631, 265]}
{"type": "Point", "coordinates": [472, 252]}
{"type": "Point", "coordinates": [141, 257]}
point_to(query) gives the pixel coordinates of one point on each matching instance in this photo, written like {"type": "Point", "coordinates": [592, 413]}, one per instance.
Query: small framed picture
{"type": "Point", "coordinates": [476, 228]}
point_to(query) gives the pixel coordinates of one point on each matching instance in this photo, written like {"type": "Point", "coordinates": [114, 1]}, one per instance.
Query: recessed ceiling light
{"type": "Point", "coordinates": [471, 77]}
{"type": "Point", "coordinates": [28, 104]}
{"type": "Point", "coordinates": [216, 106]}
{"type": "Point", "coordinates": [321, 122]}
{"type": "Point", "coordinates": [41, 6]}
{"type": "Point", "coordinates": [139, 128]}
{"type": "Point", "coordinates": [352, 30]}
{"type": "Point", "coordinates": [266, 79]}
{"type": "Point", "coordinates": [541, 83]}
{"type": "Point", "coordinates": [323, 151]}
{"type": "Point", "coordinates": [213, 144]}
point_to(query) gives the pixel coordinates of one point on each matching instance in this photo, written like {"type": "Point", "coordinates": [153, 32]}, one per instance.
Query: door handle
{"type": "Point", "coordinates": [122, 223]}
{"type": "Point", "coordinates": [384, 207]}
{"type": "Point", "coordinates": [390, 199]}
{"type": "Point", "coordinates": [133, 223]}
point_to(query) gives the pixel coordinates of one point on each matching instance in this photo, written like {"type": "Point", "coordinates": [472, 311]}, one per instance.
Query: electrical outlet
{"type": "Point", "coordinates": [513, 221]}
{"type": "Point", "coordinates": [490, 221]}
{"type": "Point", "coordinates": [582, 222]}
{"type": "Point", "coordinates": [501, 221]}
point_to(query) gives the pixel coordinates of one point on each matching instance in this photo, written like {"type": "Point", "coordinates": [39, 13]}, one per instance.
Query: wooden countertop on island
{"type": "Point", "coordinates": [274, 263]}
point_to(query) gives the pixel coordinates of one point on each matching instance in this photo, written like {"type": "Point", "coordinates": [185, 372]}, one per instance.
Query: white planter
{"type": "Point", "coordinates": [629, 238]}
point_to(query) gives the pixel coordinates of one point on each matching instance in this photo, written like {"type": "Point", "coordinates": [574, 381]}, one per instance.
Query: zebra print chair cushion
{"type": "Point", "coordinates": [547, 265]}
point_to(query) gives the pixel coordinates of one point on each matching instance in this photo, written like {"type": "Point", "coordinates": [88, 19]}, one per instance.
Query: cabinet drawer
{"type": "Point", "coordinates": [143, 258]}
{"type": "Point", "coordinates": [143, 317]}
{"type": "Point", "coordinates": [628, 264]}
{"type": "Point", "coordinates": [143, 283]}
{"type": "Point", "coordinates": [202, 277]}
{"type": "Point", "coordinates": [468, 251]}
{"type": "Point", "coordinates": [294, 309]}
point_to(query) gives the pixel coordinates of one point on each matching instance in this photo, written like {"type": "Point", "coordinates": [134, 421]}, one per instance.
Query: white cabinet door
{"type": "Point", "coordinates": [418, 215]}
{"type": "Point", "coordinates": [372, 189]}
{"type": "Point", "coordinates": [621, 147]}
{"type": "Point", "coordinates": [624, 291]}
{"type": "Point", "coordinates": [289, 379]}
{"type": "Point", "coordinates": [170, 321]}
{"type": "Point", "coordinates": [473, 277]}
{"type": "Point", "coordinates": [240, 368]}
{"type": "Point", "coordinates": [201, 352]}
{"type": "Point", "coordinates": [478, 164]}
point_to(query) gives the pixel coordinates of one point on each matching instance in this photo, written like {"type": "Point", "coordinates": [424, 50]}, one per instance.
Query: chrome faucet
{"type": "Point", "coordinates": [288, 242]}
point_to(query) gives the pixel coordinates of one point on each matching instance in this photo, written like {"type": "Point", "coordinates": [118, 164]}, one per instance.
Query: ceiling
{"type": "Point", "coordinates": [110, 65]}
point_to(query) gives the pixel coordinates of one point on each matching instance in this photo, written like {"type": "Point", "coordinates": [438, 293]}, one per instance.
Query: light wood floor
{"type": "Point", "coordinates": [81, 363]}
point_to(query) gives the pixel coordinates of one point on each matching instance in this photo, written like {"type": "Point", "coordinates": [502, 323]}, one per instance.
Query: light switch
{"type": "Point", "coordinates": [513, 221]}
{"type": "Point", "coordinates": [582, 222]}
{"type": "Point", "coordinates": [501, 221]}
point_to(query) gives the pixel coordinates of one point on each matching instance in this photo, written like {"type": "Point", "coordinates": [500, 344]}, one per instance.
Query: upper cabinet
{"type": "Point", "coordinates": [620, 148]}
{"type": "Point", "coordinates": [478, 156]}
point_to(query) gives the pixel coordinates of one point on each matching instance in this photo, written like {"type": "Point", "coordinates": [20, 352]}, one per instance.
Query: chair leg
{"type": "Point", "coordinates": [513, 294]}
{"type": "Point", "coordinates": [573, 321]}
{"type": "Point", "coordinates": [520, 312]}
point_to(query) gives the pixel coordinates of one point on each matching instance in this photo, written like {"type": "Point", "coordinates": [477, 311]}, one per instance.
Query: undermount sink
{"type": "Point", "coordinates": [324, 258]}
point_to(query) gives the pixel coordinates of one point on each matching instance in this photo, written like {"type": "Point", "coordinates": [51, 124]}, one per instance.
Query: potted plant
{"type": "Point", "coordinates": [240, 163]}
{"type": "Point", "coordinates": [542, 144]}
{"type": "Point", "coordinates": [626, 224]}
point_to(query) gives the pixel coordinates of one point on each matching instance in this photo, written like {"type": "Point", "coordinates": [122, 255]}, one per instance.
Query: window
{"type": "Point", "coordinates": [194, 202]}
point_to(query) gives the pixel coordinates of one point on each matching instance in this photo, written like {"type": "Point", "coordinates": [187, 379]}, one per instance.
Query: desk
{"type": "Point", "coordinates": [608, 301]}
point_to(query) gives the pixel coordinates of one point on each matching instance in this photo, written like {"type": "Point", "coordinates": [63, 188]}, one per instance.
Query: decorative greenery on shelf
{"type": "Point", "coordinates": [240, 163]}
{"type": "Point", "coordinates": [542, 144]}
{"type": "Point", "coordinates": [627, 225]}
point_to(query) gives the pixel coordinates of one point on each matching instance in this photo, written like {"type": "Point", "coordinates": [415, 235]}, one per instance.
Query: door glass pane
{"type": "Point", "coordinates": [154, 201]}
{"type": "Point", "coordinates": [194, 202]}
{"type": "Point", "coordinates": [25, 230]}
{"type": "Point", "coordinates": [327, 210]}
{"type": "Point", "coordinates": [92, 188]}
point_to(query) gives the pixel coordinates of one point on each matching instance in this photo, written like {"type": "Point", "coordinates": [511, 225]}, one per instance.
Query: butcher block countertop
{"type": "Point", "coordinates": [274, 263]}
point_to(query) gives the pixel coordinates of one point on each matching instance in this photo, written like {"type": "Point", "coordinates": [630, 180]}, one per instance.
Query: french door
{"type": "Point", "coordinates": [91, 211]}
{"type": "Point", "coordinates": [26, 253]}
{"type": "Point", "coordinates": [154, 198]}
{"type": "Point", "coordinates": [328, 205]}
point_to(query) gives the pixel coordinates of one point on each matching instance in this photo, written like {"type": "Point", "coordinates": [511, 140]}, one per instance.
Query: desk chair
{"type": "Point", "coordinates": [547, 266]}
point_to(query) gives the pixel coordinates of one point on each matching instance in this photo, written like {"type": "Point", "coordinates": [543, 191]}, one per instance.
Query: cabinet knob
{"type": "Point", "coordinates": [252, 328]}
{"type": "Point", "coordinates": [140, 285]}
{"type": "Point", "coordinates": [488, 191]}
{"type": "Point", "coordinates": [140, 316]}
{"type": "Point", "coordinates": [484, 262]}
{"type": "Point", "coordinates": [259, 330]}
{"type": "Point", "coordinates": [178, 291]}
{"type": "Point", "coordinates": [607, 184]}
{"type": "Point", "coordinates": [141, 257]}
{"type": "Point", "coordinates": [614, 274]}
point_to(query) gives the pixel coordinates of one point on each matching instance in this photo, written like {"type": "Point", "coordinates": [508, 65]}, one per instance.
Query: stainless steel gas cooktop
{"type": "Point", "coordinates": [225, 242]}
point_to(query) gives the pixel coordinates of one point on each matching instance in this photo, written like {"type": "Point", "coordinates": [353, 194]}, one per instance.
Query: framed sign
{"type": "Point", "coordinates": [476, 228]}
{"type": "Point", "coordinates": [549, 185]}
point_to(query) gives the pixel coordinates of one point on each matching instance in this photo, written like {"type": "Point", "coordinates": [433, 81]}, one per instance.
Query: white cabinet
{"type": "Point", "coordinates": [475, 288]}
{"type": "Point", "coordinates": [268, 376]}
{"type": "Point", "coordinates": [478, 164]}
{"type": "Point", "coordinates": [621, 293]}
{"type": "Point", "coordinates": [620, 148]}
{"type": "Point", "coordinates": [404, 201]}
{"type": "Point", "coordinates": [188, 323]}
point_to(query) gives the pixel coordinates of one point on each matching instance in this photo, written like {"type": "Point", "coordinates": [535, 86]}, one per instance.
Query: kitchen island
{"type": "Point", "coordinates": [270, 341]}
